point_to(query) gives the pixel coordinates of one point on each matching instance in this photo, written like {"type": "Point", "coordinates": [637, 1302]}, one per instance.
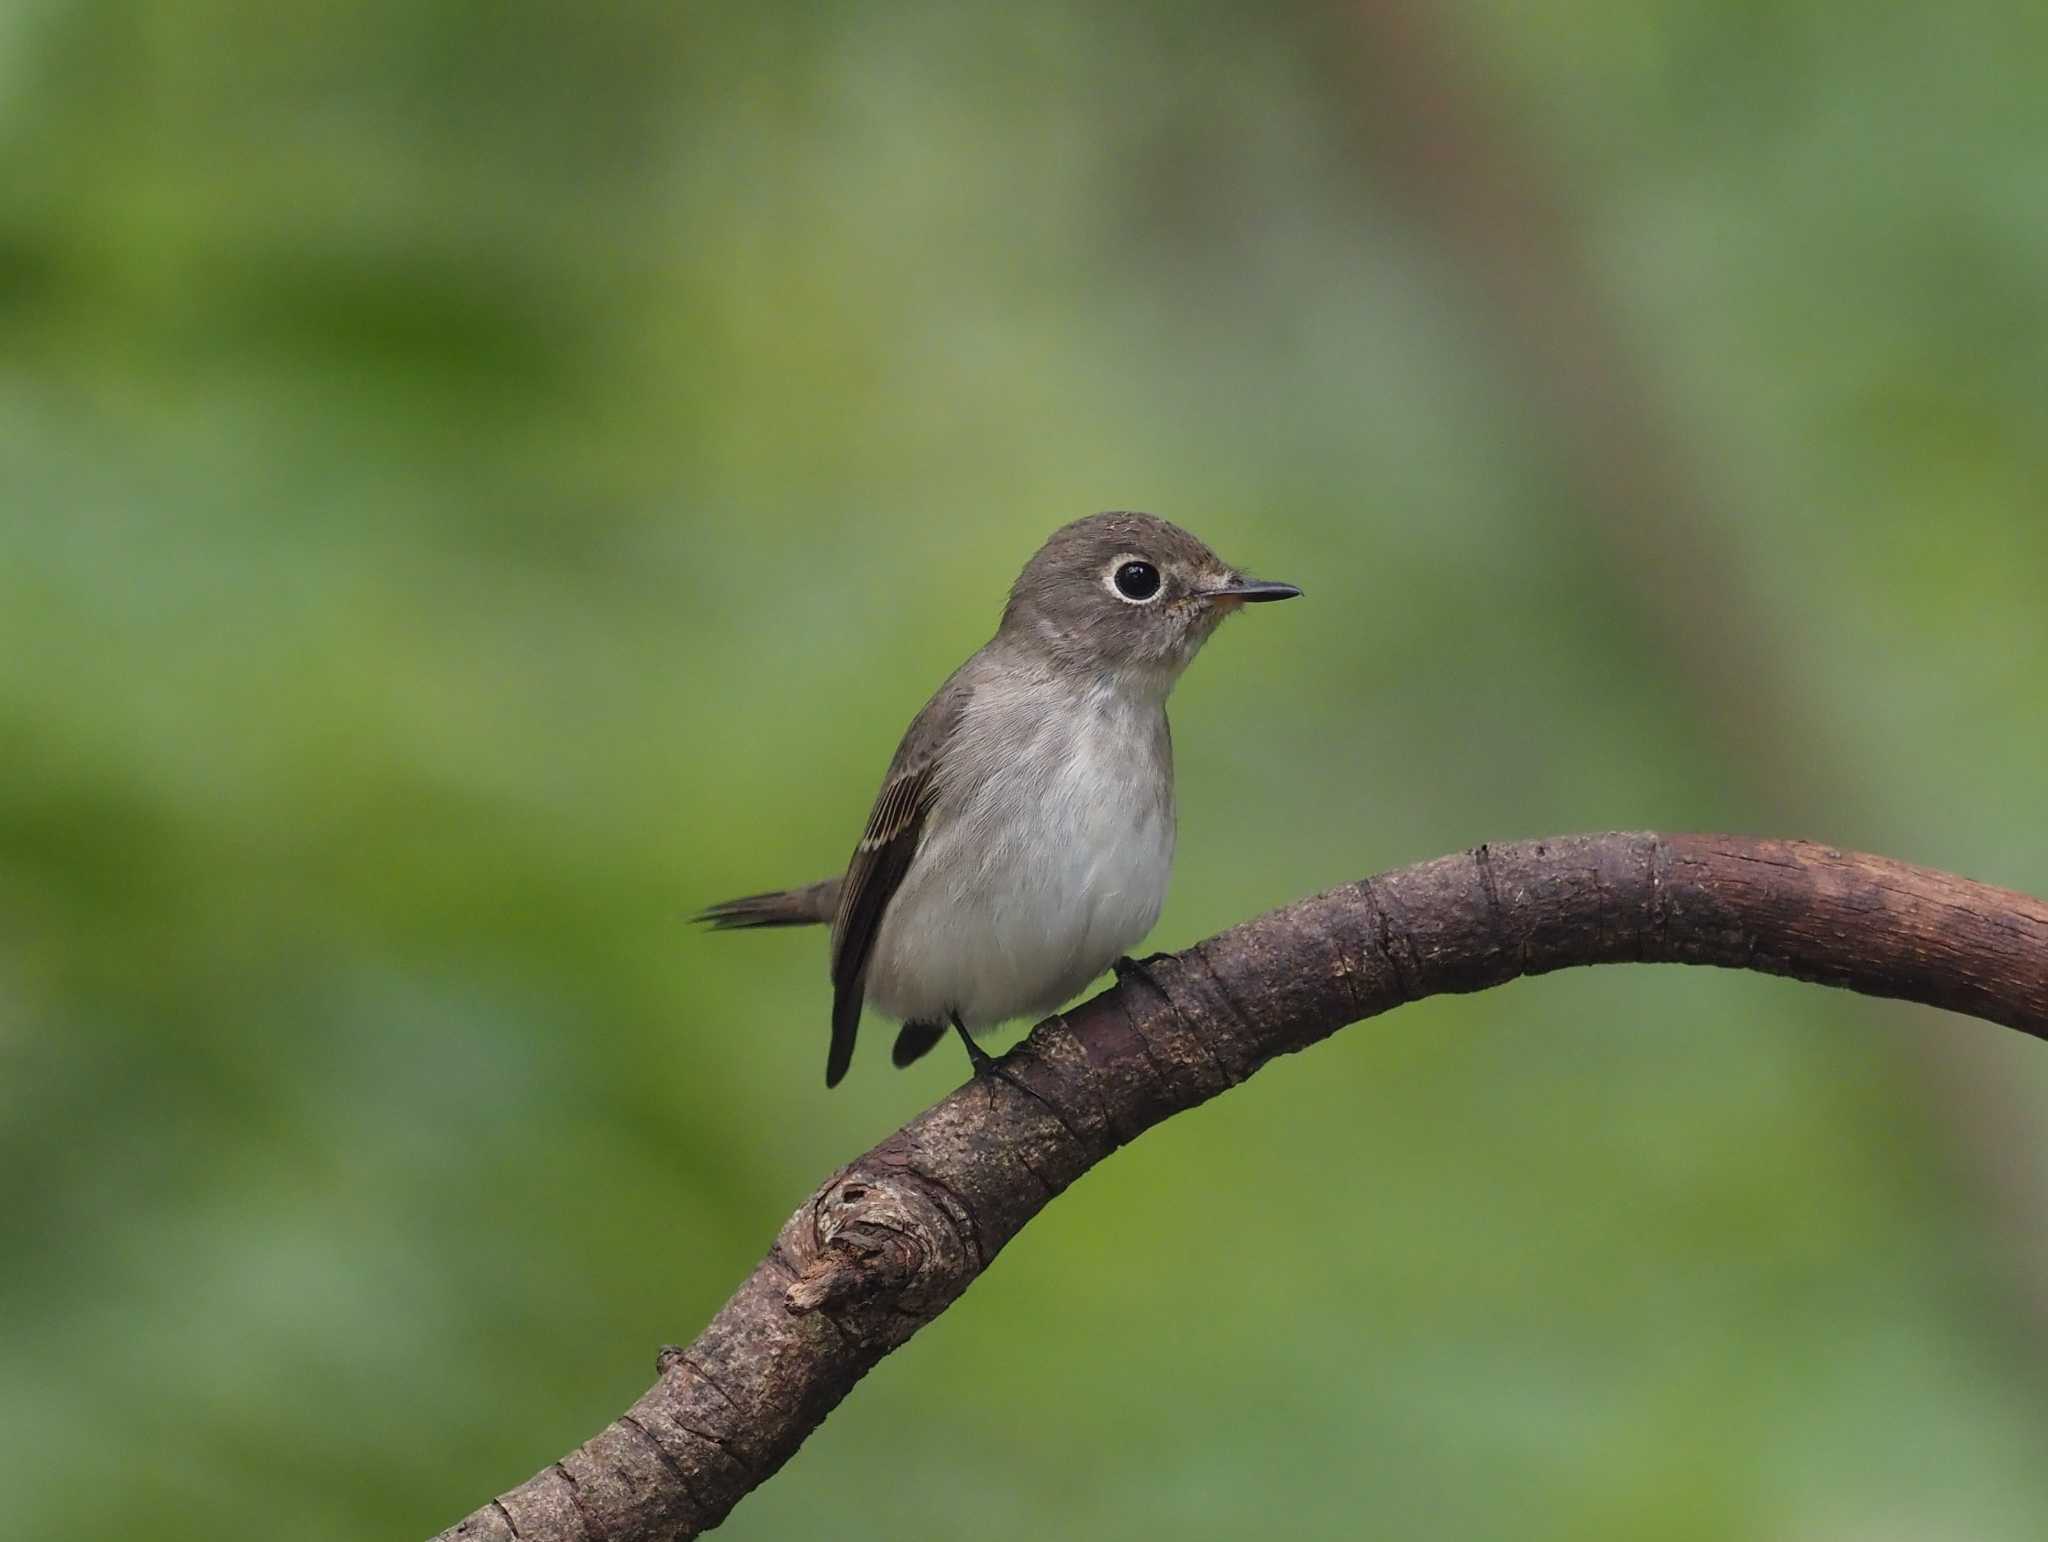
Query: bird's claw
{"type": "Point", "coordinates": [983, 1062]}
{"type": "Point", "coordinates": [1127, 967]}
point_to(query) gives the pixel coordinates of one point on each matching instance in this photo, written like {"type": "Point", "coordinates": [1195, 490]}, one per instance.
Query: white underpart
{"type": "Point", "coordinates": [1047, 856]}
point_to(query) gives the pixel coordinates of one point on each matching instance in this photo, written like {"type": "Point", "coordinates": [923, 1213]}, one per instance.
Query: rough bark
{"type": "Point", "coordinates": [893, 1238]}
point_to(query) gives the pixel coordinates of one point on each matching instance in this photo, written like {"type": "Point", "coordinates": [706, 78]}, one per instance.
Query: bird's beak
{"type": "Point", "coordinates": [1247, 591]}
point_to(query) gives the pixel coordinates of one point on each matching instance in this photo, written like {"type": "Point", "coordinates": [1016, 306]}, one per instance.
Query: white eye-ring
{"type": "Point", "coordinates": [1133, 580]}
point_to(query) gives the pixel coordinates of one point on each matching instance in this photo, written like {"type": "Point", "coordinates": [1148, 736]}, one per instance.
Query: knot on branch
{"type": "Point", "coordinates": [860, 1262]}
{"type": "Point", "coordinates": [884, 1236]}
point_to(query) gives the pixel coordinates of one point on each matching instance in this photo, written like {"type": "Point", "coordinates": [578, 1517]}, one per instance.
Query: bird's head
{"type": "Point", "coordinates": [1127, 594]}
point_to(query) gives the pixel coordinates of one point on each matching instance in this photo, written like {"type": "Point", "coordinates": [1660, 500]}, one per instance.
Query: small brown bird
{"type": "Point", "coordinates": [1023, 837]}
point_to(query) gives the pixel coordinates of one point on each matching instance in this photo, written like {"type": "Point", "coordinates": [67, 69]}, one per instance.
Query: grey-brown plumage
{"type": "Point", "coordinates": [1023, 835]}
{"type": "Point", "coordinates": [808, 906]}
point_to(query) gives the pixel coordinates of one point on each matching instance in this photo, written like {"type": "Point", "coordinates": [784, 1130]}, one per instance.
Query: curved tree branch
{"type": "Point", "coordinates": [893, 1238]}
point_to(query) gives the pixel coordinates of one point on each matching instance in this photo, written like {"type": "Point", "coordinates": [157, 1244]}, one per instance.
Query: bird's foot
{"type": "Point", "coordinates": [980, 1058]}
{"type": "Point", "coordinates": [984, 1063]}
{"type": "Point", "coordinates": [1126, 967]}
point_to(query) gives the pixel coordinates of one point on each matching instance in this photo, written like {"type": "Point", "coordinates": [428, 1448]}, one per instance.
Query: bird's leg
{"type": "Point", "coordinates": [983, 1060]}
{"type": "Point", "coordinates": [985, 1064]}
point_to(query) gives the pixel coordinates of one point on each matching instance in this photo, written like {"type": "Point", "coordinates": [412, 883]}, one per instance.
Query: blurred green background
{"type": "Point", "coordinates": [480, 481]}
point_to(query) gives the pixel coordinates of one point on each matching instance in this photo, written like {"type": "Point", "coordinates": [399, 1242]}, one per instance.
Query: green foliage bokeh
{"type": "Point", "coordinates": [477, 482]}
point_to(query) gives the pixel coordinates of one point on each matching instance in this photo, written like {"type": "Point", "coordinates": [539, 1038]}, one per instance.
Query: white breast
{"type": "Point", "coordinates": [1046, 856]}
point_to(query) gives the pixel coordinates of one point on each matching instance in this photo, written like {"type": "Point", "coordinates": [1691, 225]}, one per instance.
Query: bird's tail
{"type": "Point", "coordinates": [812, 905]}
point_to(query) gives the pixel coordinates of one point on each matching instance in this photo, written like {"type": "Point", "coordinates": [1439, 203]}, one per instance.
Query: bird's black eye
{"type": "Point", "coordinates": [1137, 580]}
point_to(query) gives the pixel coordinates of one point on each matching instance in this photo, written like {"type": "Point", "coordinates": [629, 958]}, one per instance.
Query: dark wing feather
{"type": "Point", "coordinates": [880, 861]}
{"type": "Point", "coordinates": [913, 1040]}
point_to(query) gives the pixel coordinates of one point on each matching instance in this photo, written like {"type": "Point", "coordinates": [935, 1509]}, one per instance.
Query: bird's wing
{"type": "Point", "coordinates": [912, 1040]}
{"type": "Point", "coordinates": [882, 858]}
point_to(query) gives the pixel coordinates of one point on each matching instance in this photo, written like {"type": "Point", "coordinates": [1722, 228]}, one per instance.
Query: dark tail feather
{"type": "Point", "coordinates": [812, 905]}
{"type": "Point", "coordinates": [914, 1040]}
{"type": "Point", "coordinates": [845, 1028]}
